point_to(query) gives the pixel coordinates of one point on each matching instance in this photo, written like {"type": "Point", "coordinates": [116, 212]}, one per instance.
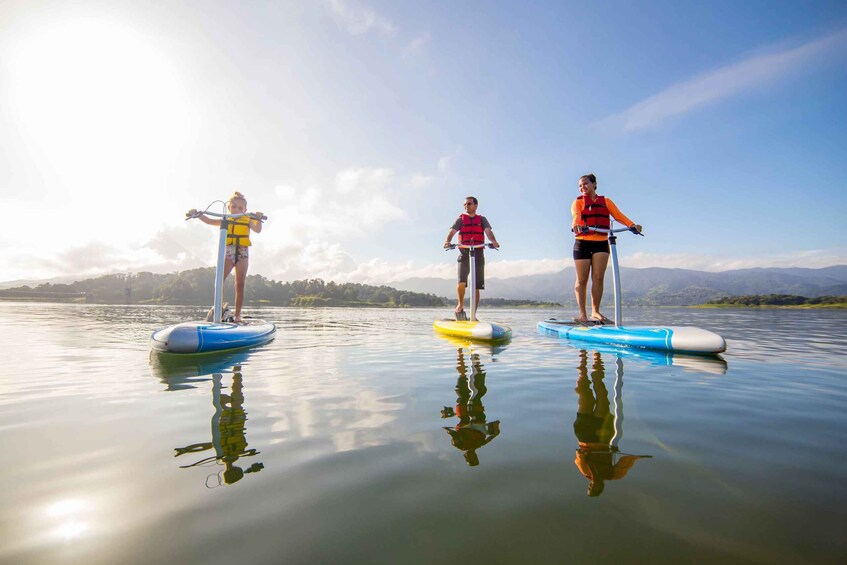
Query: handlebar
{"type": "Point", "coordinates": [197, 213]}
{"type": "Point", "coordinates": [475, 246]}
{"type": "Point", "coordinates": [584, 229]}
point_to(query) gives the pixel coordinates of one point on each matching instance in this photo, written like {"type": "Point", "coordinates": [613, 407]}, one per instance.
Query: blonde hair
{"type": "Point", "coordinates": [237, 196]}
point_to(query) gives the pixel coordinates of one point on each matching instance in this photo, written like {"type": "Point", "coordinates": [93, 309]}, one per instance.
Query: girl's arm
{"type": "Point", "coordinates": [256, 225]}
{"type": "Point", "coordinates": [204, 219]}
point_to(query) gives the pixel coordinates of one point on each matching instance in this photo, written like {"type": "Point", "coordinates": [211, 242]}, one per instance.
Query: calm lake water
{"type": "Point", "coordinates": [360, 436]}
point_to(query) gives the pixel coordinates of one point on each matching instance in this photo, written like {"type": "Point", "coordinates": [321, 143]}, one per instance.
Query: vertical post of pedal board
{"type": "Point", "coordinates": [472, 281]}
{"type": "Point", "coordinates": [616, 276]}
{"type": "Point", "coordinates": [219, 270]}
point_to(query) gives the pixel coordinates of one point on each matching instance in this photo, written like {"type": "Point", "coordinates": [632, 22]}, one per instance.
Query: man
{"type": "Point", "coordinates": [472, 229]}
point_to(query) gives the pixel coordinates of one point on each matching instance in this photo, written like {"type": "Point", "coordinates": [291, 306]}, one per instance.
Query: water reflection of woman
{"type": "Point", "coordinates": [472, 431]}
{"type": "Point", "coordinates": [598, 429]}
{"type": "Point", "coordinates": [229, 434]}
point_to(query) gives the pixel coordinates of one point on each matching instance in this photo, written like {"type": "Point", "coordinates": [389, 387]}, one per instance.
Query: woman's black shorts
{"type": "Point", "coordinates": [584, 248]}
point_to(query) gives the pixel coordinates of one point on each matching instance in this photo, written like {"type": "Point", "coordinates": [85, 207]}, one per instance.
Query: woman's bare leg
{"type": "Point", "coordinates": [599, 262]}
{"type": "Point", "coordinates": [583, 270]}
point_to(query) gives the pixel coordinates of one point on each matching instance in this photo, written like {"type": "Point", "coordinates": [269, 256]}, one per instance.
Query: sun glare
{"type": "Point", "coordinates": [93, 97]}
{"type": "Point", "coordinates": [67, 512]}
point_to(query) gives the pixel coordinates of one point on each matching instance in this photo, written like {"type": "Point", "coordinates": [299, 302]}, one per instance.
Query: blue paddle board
{"type": "Point", "coordinates": [205, 337]}
{"type": "Point", "coordinates": [680, 339]}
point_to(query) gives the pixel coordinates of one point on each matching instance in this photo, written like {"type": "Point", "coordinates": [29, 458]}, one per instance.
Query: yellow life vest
{"type": "Point", "coordinates": [238, 231]}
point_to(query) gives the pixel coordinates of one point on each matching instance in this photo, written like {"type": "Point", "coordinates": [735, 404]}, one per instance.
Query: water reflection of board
{"type": "Point", "coordinates": [482, 331]}
{"type": "Point", "coordinates": [203, 337]}
{"type": "Point", "coordinates": [681, 339]}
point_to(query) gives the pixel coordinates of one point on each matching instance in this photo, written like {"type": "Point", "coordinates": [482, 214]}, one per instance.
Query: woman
{"type": "Point", "coordinates": [591, 249]}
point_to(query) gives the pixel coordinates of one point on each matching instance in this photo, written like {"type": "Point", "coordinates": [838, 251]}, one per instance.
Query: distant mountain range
{"type": "Point", "coordinates": [656, 286]}
{"type": "Point", "coordinates": [652, 286]}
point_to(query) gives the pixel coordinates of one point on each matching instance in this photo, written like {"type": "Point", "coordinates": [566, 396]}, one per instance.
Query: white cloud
{"type": "Point", "coordinates": [304, 260]}
{"type": "Point", "coordinates": [361, 202]}
{"type": "Point", "coordinates": [523, 267]}
{"type": "Point", "coordinates": [445, 162]}
{"type": "Point", "coordinates": [94, 259]}
{"type": "Point", "coordinates": [358, 19]}
{"type": "Point", "coordinates": [172, 243]}
{"type": "Point", "coordinates": [814, 259]}
{"type": "Point", "coordinates": [285, 192]}
{"type": "Point", "coordinates": [378, 271]}
{"type": "Point", "coordinates": [419, 180]}
{"type": "Point", "coordinates": [417, 45]}
{"type": "Point", "coordinates": [363, 179]}
{"type": "Point", "coordinates": [308, 235]}
{"type": "Point", "coordinates": [720, 83]}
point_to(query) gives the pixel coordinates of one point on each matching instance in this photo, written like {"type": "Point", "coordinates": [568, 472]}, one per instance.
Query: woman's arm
{"type": "Point", "coordinates": [619, 216]}
{"type": "Point", "coordinates": [576, 213]}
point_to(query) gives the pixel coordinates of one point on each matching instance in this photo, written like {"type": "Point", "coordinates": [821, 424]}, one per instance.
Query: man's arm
{"type": "Point", "coordinates": [491, 238]}
{"type": "Point", "coordinates": [449, 239]}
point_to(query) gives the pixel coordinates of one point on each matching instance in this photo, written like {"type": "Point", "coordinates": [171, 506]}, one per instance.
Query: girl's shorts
{"type": "Point", "coordinates": [236, 252]}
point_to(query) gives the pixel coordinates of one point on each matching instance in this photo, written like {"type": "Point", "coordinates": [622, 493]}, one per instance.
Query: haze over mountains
{"type": "Point", "coordinates": [657, 286]}
{"type": "Point", "coordinates": [652, 286]}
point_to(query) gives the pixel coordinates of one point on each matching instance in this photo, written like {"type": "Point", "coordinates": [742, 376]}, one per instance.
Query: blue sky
{"type": "Point", "coordinates": [359, 127]}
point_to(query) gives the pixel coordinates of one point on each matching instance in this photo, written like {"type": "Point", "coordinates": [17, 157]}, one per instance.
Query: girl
{"type": "Point", "coordinates": [237, 244]}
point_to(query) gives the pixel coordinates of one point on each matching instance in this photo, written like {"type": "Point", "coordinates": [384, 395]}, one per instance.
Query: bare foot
{"type": "Point", "coordinates": [598, 317]}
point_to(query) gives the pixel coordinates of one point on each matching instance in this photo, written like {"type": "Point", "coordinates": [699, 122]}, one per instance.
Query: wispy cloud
{"type": "Point", "coordinates": [721, 83]}
{"type": "Point", "coordinates": [358, 19]}
{"type": "Point", "coordinates": [417, 45]}
{"type": "Point", "coordinates": [445, 162]}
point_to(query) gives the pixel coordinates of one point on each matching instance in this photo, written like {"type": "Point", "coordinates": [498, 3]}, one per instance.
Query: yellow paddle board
{"type": "Point", "coordinates": [480, 331]}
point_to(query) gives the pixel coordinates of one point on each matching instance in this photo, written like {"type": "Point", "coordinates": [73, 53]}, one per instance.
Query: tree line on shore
{"type": "Point", "coordinates": [777, 300]}
{"type": "Point", "coordinates": [196, 287]}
